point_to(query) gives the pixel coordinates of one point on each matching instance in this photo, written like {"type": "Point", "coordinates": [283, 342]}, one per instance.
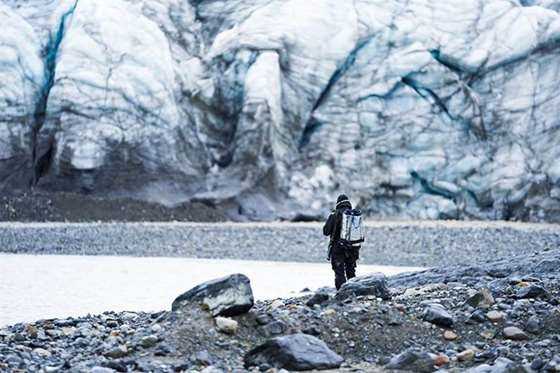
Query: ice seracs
{"type": "Point", "coordinates": [418, 108]}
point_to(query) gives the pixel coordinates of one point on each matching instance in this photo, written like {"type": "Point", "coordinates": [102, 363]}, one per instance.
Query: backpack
{"type": "Point", "coordinates": [351, 230]}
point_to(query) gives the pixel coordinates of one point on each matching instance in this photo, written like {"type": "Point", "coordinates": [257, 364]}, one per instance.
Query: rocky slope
{"type": "Point", "coordinates": [501, 317]}
{"type": "Point", "coordinates": [417, 108]}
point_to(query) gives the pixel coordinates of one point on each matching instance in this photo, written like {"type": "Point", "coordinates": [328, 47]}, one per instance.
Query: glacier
{"type": "Point", "coordinates": [422, 109]}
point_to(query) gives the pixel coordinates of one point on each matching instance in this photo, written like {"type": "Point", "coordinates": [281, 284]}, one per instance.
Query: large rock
{"type": "Point", "coordinates": [227, 296]}
{"type": "Point", "coordinates": [373, 284]}
{"type": "Point", "coordinates": [294, 352]}
{"type": "Point", "coordinates": [270, 106]}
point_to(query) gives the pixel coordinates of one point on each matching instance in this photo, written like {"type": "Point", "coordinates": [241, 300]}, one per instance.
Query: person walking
{"type": "Point", "coordinates": [342, 255]}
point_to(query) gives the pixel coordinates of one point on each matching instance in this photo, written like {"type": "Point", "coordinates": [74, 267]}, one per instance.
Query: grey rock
{"type": "Point", "coordinates": [514, 333]}
{"type": "Point", "coordinates": [101, 370]}
{"type": "Point", "coordinates": [117, 352]}
{"type": "Point", "coordinates": [437, 314]}
{"type": "Point", "coordinates": [227, 296]}
{"type": "Point", "coordinates": [203, 358]}
{"type": "Point", "coordinates": [534, 325]}
{"type": "Point", "coordinates": [274, 328]}
{"type": "Point", "coordinates": [294, 352]}
{"type": "Point", "coordinates": [501, 365]}
{"type": "Point", "coordinates": [482, 298]}
{"type": "Point", "coordinates": [149, 341]}
{"type": "Point", "coordinates": [374, 284]}
{"type": "Point", "coordinates": [553, 365]}
{"type": "Point", "coordinates": [413, 360]}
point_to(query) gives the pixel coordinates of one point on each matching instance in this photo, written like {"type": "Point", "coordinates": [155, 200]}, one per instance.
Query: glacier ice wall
{"type": "Point", "coordinates": [416, 108]}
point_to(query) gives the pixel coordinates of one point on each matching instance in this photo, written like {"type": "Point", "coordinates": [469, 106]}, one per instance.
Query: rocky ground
{"type": "Point", "coordinates": [499, 316]}
{"type": "Point", "coordinates": [43, 206]}
{"type": "Point", "coordinates": [388, 243]}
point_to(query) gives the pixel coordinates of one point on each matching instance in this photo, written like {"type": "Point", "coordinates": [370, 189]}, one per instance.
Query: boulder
{"type": "Point", "coordinates": [374, 284]}
{"type": "Point", "coordinates": [226, 296]}
{"type": "Point", "coordinates": [294, 352]}
{"type": "Point", "coordinates": [437, 314]}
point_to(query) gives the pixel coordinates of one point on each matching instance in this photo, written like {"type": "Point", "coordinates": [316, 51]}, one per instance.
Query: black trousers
{"type": "Point", "coordinates": [343, 262]}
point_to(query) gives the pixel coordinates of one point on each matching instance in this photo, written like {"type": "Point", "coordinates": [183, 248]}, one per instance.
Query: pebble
{"type": "Point", "coordinates": [149, 341]}
{"type": "Point", "coordinates": [466, 355]}
{"type": "Point", "coordinates": [117, 352]}
{"type": "Point", "coordinates": [449, 335]}
{"type": "Point", "coordinates": [226, 325]}
{"type": "Point", "coordinates": [495, 316]}
{"type": "Point", "coordinates": [514, 333]}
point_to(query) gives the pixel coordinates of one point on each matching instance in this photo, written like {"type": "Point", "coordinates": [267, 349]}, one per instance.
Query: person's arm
{"type": "Point", "coordinates": [328, 228]}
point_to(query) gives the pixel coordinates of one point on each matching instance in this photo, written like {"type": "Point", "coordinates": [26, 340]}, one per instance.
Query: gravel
{"type": "Point", "coordinates": [388, 243]}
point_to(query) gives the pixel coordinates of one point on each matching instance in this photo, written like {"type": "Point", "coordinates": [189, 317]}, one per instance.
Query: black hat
{"type": "Point", "coordinates": [342, 197]}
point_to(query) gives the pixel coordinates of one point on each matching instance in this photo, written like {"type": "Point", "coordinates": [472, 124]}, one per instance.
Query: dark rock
{"type": "Point", "coordinates": [477, 316]}
{"type": "Point", "coordinates": [294, 352]}
{"type": "Point", "coordinates": [537, 364]}
{"type": "Point", "coordinates": [438, 315]}
{"type": "Point", "coordinates": [413, 360]}
{"type": "Point", "coordinates": [312, 330]}
{"type": "Point", "coordinates": [534, 325]}
{"type": "Point", "coordinates": [227, 296]}
{"type": "Point", "coordinates": [274, 328]}
{"type": "Point", "coordinates": [374, 284]}
{"type": "Point", "coordinates": [119, 366]}
{"type": "Point", "coordinates": [531, 291]}
{"type": "Point", "coordinates": [263, 318]}
{"type": "Point", "coordinates": [318, 298]}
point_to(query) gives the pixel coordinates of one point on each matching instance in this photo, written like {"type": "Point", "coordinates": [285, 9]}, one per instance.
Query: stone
{"type": "Point", "coordinates": [438, 315]}
{"type": "Point", "coordinates": [101, 370]}
{"type": "Point", "coordinates": [274, 328]}
{"type": "Point", "coordinates": [149, 341]}
{"type": "Point", "coordinates": [482, 298]}
{"type": "Point", "coordinates": [495, 316]}
{"type": "Point", "coordinates": [117, 352]}
{"type": "Point", "coordinates": [226, 325]}
{"type": "Point", "coordinates": [466, 355]}
{"type": "Point", "coordinates": [374, 284]}
{"type": "Point", "coordinates": [203, 358]}
{"type": "Point", "coordinates": [42, 352]}
{"type": "Point", "coordinates": [227, 296]}
{"type": "Point", "coordinates": [319, 297]}
{"type": "Point", "coordinates": [294, 352]}
{"type": "Point", "coordinates": [329, 312]}
{"type": "Point", "coordinates": [441, 360]}
{"type": "Point", "coordinates": [449, 335]}
{"type": "Point", "coordinates": [478, 316]}
{"type": "Point", "coordinates": [534, 325]}
{"type": "Point", "coordinates": [531, 291]}
{"type": "Point", "coordinates": [553, 365]}
{"type": "Point", "coordinates": [514, 333]}
{"type": "Point", "coordinates": [413, 360]}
